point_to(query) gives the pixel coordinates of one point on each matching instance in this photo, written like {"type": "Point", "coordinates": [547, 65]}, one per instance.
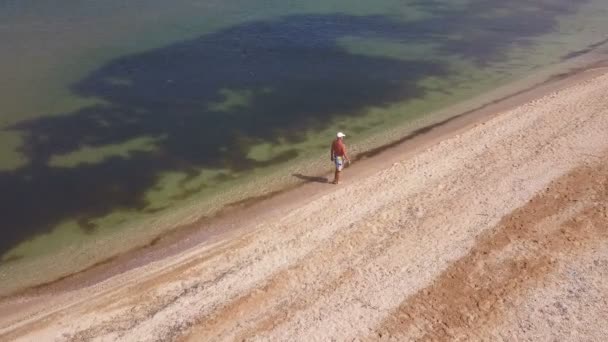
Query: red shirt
{"type": "Point", "coordinates": [338, 149]}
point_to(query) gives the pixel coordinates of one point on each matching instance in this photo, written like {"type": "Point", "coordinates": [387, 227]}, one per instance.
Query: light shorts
{"type": "Point", "coordinates": [339, 163]}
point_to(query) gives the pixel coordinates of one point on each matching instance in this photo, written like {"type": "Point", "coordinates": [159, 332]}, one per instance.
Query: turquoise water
{"type": "Point", "coordinates": [115, 112]}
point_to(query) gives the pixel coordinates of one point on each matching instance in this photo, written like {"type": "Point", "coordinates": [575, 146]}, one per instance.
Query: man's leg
{"type": "Point", "coordinates": [336, 177]}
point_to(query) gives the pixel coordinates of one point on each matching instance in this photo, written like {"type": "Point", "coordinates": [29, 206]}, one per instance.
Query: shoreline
{"type": "Point", "coordinates": [501, 220]}
{"type": "Point", "coordinates": [237, 217]}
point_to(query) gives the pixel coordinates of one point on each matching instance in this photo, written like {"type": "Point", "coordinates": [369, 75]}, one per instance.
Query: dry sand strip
{"type": "Point", "coordinates": [497, 233]}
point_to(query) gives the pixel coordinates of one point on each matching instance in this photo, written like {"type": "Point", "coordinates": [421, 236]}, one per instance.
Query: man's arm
{"type": "Point", "coordinates": [346, 155]}
{"type": "Point", "coordinates": [331, 152]}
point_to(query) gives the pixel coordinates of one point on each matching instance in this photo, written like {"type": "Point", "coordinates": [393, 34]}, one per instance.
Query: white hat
{"type": "Point", "coordinates": [340, 135]}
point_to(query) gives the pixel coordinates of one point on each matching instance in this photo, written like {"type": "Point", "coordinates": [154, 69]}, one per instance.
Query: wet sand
{"type": "Point", "coordinates": [492, 225]}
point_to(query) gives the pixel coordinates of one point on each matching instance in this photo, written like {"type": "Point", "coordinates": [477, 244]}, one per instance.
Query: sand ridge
{"type": "Point", "coordinates": [438, 246]}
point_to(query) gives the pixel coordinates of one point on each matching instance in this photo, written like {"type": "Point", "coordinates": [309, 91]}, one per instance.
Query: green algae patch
{"type": "Point", "coordinates": [232, 100]}
{"type": "Point", "coordinates": [266, 151]}
{"type": "Point", "coordinates": [66, 234]}
{"type": "Point", "coordinates": [98, 154]}
{"type": "Point", "coordinates": [398, 50]}
{"type": "Point", "coordinates": [10, 157]}
{"type": "Point", "coordinates": [173, 187]}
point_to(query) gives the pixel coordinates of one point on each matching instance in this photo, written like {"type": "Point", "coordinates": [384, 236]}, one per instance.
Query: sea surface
{"type": "Point", "coordinates": [120, 120]}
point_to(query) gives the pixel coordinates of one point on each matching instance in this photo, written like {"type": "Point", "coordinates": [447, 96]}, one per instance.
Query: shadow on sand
{"type": "Point", "coordinates": [311, 179]}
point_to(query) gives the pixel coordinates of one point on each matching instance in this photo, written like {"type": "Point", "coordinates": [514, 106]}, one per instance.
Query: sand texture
{"type": "Point", "coordinates": [497, 233]}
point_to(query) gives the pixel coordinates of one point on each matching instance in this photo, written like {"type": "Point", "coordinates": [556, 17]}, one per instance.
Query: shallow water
{"type": "Point", "coordinates": [114, 112]}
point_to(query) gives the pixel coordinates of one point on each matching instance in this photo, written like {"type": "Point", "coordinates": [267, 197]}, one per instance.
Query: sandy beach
{"type": "Point", "coordinates": [495, 231]}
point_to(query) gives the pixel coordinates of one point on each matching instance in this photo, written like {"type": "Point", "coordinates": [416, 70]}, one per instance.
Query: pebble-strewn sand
{"type": "Point", "coordinates": [500, 232]}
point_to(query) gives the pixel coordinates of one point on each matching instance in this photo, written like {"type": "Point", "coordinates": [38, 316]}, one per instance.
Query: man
{"type": "Point", "coordinates": [338, 155]}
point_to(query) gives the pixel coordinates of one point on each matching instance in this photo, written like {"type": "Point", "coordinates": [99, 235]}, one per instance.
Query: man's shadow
{"type": "Point", "coordinates": [311, 179]}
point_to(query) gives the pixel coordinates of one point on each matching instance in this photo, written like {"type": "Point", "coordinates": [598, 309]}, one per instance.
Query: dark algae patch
{"type": "Point", "coordinates": [204, 103]}
{"type": "Point", "coordinates": [299, 80]}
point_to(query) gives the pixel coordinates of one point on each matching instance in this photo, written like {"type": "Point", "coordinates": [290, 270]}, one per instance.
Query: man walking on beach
{"type": "Point", "coordinates": [338, 155]}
